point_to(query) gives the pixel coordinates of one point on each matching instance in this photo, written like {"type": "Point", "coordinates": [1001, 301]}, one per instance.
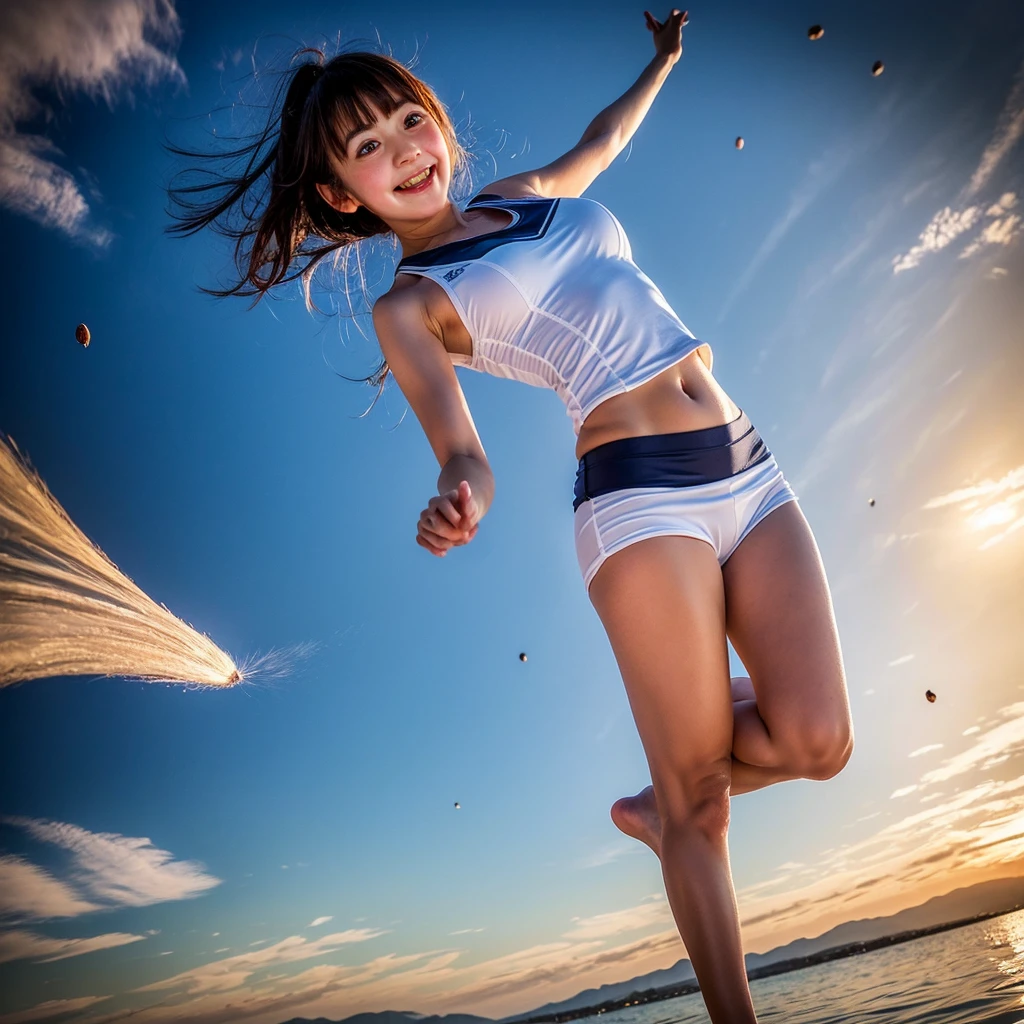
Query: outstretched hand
{"type": "Point", "coordinates": [449, 521]}
{"type": "Point", "coordinates": [668, 35]}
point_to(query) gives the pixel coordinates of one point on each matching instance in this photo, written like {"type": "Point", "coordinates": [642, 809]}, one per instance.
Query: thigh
{"type": "Point", "coordinates": [780, 620]}
{"type": "Point", "coordinates": [662, 604]}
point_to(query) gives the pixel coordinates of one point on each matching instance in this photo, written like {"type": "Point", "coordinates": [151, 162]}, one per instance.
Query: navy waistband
{"type": "Point", "coordinates": [684, 459]}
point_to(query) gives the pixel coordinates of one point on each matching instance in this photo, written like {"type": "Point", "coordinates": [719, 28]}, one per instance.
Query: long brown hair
{"type": "Point", "coordinates": [263, 193]}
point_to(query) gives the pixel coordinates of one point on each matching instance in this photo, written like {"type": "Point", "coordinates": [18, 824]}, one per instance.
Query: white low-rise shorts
{"type": "Point", "coordinates": [721, 512]}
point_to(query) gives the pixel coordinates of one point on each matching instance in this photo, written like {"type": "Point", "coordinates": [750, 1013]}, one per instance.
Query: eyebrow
{"type": "Point", "coordinates": [356, 131]}
{"type": "Point", "coordinates": [366, 127]}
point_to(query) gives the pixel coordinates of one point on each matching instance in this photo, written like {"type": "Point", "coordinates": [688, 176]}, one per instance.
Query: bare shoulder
{"type": "Point", "coordinates": [516, 186]}
{"type": "Point", "coordinates": [406, 312]}
{"type": "Point", "coordinates": [403, 303]}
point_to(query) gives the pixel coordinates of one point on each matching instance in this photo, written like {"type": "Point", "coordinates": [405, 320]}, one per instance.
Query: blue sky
{"type": "Point", "coordinates": [856, 269]}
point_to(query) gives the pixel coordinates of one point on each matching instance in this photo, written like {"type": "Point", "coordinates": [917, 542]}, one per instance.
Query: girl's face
{"type": "Point", "coordinates": [381, 166]}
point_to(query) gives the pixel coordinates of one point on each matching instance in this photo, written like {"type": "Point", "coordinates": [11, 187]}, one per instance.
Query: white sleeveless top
{"type": "Point", "coordinates": [555, 300]}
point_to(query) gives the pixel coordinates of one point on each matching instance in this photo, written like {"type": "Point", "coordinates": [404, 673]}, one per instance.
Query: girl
{"type": "Point", "coordinates": [686, 530]}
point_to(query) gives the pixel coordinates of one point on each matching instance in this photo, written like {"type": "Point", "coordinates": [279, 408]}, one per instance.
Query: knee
{"type": "Point", "coordinates": [696, 799]}
{"type": "Point", "coordinates": [825, 749]}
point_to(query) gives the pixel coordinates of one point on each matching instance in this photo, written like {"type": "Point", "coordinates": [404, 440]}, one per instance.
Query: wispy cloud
{"type": "Point", "coordinates": [25, 945]}
{"type": "Point", "coordinates": [116, 870]}
{"type": "Point", "coordinates": [821, 174]}
{"type": "Point", "coordinates": [990, 504]}
{"type": "Point", "coordinates": [993, 747]}
{"type": "Point", "coordinates": [860, 410]}
{"type": "Point", "coordinates": [946, 226]}
{"type": "Point", "coordinates": [1009, 128]}
{"type": "Point", "coordinates": [235, 971]}
{"type": "Point", "coordinates": [951, 222]}
{"type": "Point", "coordinates": [27, 892]}
{"type": "Point", "coordinates": [606, 854]}
{"type": "Point", "coordinates": [316, 922]}
{"type": "Point", "coordinates": [979, 829]}
{"type": "Point", "coordinates": [97, 47]}
{"type": "Point", "coordinates": [616, 922]}
{"type": "Point", "coordinates": [50, 1009]}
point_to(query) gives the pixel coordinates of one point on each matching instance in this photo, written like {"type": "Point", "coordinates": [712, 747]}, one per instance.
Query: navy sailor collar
{"type": "Point", "coordinates": [532, 217]}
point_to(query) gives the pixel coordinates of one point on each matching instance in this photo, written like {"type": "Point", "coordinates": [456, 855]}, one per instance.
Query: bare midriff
{"type": "Point", "coordinates": [684, 397]}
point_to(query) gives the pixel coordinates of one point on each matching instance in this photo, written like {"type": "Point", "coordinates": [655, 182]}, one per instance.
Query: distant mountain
{"type": "Point", "coordinates": [679, 972]}
{"type": "Point", "coordinates": [1002, 894]}
{"type": "Point", "coordinates": [397, 1017]}
{"type": "Point", "coordinates": [984, 898]}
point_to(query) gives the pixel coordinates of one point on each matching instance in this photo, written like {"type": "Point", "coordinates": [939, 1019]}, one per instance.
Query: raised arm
{"type": "Point", "coordinates": [427, 378]}
{"type": "Point", "coordinates": [609, 133]}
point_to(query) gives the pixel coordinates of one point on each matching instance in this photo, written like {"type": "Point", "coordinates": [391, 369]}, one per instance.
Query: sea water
{"type": "Point", "coordinates": [967, 975]}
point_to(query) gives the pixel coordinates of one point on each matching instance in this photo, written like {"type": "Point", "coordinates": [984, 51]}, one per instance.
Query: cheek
{"type": "Point", "coordinates": [440, 149]}
{"type": "Point", "coordinates": [369, 179]}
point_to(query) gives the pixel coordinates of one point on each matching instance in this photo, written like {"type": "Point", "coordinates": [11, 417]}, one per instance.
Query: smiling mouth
{"type": "Point", "coordinates": [421, 179]}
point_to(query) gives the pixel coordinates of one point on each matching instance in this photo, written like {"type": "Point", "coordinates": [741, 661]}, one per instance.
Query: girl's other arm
{"type": "Point", "coordinates": [609, 133]}
{"type": "Point", "coordinates": [424, 372]}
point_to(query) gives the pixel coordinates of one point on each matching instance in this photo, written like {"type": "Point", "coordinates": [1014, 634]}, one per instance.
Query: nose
{"type": "Point", "coordinates": [407, 153]}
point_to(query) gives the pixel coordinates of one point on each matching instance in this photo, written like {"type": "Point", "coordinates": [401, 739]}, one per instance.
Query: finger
{"type": "Point", "coordinates": [439, 543]}
{"type": "Point", "coordinates": [466, 500]}
{"type": "Point", "coordinates": [447, 509]}
{"type": "Point", "coordinates": [441, 528]}
{"type": "Point", "coordinates": [429, 547]}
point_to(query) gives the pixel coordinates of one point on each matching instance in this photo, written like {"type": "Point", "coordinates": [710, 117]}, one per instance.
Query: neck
{"type": "Point", "coordinates": [424, 234]}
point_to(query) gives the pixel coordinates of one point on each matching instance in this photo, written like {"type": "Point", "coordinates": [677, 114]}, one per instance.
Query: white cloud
{"type": "Point", "coordinates": [905, 791]}
{"type": "Point", "coordinates": [316, 922]}
{"type": "Point", "coordinates": [51, 1008]}
{"type": "Point", "coordinates": [118, 870]}
{"type": "Point", "coordinates": [1012, 481]}
{"type": "Point", "coordinates": [998, 232]}
{"type": "Point", "coordinates": [1004, 204]}
{"type": "Point", "coordinates": [96, 47]}
{"type": "Point", "coordinates": [1006, 512]}
{"type": "Point", "coordinates": [1008, 131]}
{"type": "Point", "coordinates": [606, 854]}
{"type": "Point", "coordinates": [24, 945]}
{"type": "Point", "coordinates": [991, 748]}
{"type": "Point", "coordinates": [28, 892]}
{"type": "Point", "coordinates": [948, 223]}
{"type": "Point", "coordinates": [943, 228]}
{"type": "Point", "coordinates": [901, 661]}
{"type": "Point", "coordinates": [234, 971]}
{"type": "Point", "coordinates": [925, 750]}
{"type": "Point", "coordinates": [615, 922]}
{"type": "Point", "coordinates": [467, 931]}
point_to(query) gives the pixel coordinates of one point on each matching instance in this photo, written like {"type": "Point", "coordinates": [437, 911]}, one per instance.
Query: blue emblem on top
{"type": "Point", "coordinates": [452, 274]}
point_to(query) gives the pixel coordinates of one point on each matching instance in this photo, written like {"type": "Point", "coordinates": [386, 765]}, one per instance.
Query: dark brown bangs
{"type": "Point", "coordinates": [357, 88]}
{"type": "Point", "coordinates": [357, 111]}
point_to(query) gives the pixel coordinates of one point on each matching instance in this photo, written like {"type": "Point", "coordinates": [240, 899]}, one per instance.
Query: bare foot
{"type": "Point", "coordinates": [638, 817]}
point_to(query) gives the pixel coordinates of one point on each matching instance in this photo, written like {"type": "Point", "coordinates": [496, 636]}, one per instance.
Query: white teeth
{"type": "Point", "coordinates": [416, 180]}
